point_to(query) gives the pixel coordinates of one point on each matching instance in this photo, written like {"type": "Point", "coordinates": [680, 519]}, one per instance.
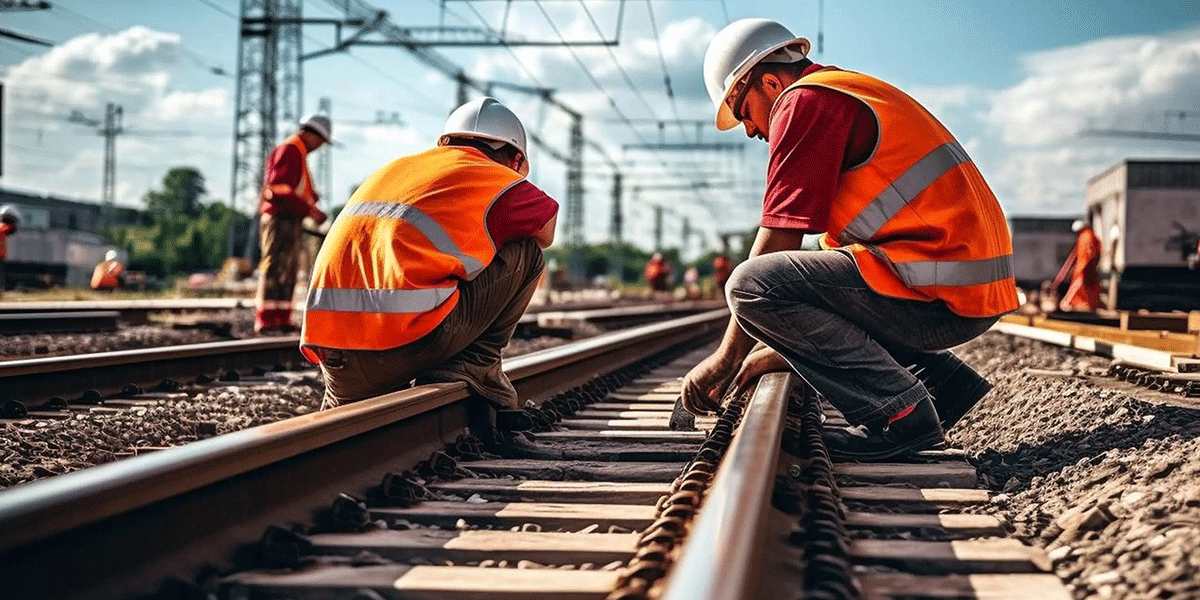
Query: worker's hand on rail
{"type": "Point", "coordinates": [705, 384]}
{"type": "Point", "coordinates": [759, 363]}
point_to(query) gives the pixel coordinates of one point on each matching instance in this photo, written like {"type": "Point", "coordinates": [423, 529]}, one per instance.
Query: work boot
{"type": "Point", "coordinates": [918, 430]}
{"type": "Point", "coordinates": [955, 387]}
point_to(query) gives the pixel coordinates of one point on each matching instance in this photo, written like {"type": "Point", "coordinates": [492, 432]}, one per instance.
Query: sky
{"type": "Point", "coordinates": [1016, 81]}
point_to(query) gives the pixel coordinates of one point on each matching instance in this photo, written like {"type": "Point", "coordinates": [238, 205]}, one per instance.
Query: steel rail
{"type": "Point", "coordinates": [126, 526]}
{"type": "Point", "coordinates": [40, 378]}
{"type": "Point", "coordinates": [721, 555]}
{"type": "Point", "coordinates": [58, 322]}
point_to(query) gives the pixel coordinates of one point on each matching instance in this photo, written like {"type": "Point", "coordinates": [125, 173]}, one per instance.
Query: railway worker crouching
{"type": "Point", "coordinates": [429, 267]}
{"type": "Point", "coordinates": [916, 252]}
{"type": "Point", "coordinates": [9, 221]}
{"type": "Point", "coordinates": [288, 196]}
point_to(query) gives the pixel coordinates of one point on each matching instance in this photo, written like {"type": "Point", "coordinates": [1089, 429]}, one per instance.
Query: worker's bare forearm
{"type": "Point", "coordinates": [737, 343]}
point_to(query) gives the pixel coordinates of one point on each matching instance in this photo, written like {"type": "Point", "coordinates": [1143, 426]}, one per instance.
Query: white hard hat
{"type": "Point", "coordinates": [485, 119]}
{"type": "Point", "coordinates": [110, 255]}
{"type": "Point", "coordinates": [8, 214]}
{"type": "Point", "coordinates": [1078, 225]}
{"type": "Point", "coordinates": [736, 49]}
{"type": "Point", "coordinates": [320, 125]}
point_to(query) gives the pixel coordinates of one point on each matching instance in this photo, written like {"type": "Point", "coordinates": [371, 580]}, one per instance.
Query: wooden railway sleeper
{"type": "Point", "coordinates": [675, 512]}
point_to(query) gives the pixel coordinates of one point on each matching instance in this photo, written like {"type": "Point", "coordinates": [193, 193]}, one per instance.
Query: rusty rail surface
{"type": "Point", "coordinates": [720, 556]}
{"type": "Point", "coordinates": [40, 378]}
{"type": "Point", "coordinates": [127, 526]}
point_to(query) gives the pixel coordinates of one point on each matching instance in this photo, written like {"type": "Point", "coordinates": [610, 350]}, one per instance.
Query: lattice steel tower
{"type": "Point", "coordinates": [269, 91]}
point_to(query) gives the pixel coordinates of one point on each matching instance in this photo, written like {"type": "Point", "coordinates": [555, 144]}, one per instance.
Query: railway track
{"type": "Point", "coordinates": [138, 311]}
{"type": "Point", "coordinates": [415, 495]}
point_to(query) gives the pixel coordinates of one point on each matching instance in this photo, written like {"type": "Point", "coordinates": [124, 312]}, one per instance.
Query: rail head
{"type": "Point", "coordinates": [720, 556]}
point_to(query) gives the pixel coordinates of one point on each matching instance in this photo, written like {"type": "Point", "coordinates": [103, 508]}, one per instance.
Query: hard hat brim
{"type": "Point", "coordinates": [724, 120]}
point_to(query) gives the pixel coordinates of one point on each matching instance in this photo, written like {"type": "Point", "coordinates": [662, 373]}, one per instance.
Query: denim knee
{"type": "Point", "coordinates": [745, 284]}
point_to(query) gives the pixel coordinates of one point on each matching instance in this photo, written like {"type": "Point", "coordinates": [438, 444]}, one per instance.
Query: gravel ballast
{"type": "Point", "coordinates": [1103, 475]}
{"type": "Point", "coordinates": [31, 450]}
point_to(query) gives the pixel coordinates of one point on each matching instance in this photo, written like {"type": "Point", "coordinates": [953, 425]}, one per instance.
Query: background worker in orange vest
{"type": "Point", "coordinates": [658, 273]}
{"type": "Point", "coordinates": [287, 198]}
{"type": "Point", "coordinates": [9, 221]}
{"type": "Point", "coordinates": [721, 270]}
{"type": "Point", "coordinates": [1084, 293]}
{"type": "Point", "coordinates": [107, 275]}
{"type": "Point", "coordinates": [429, 267]}
{"type": "Point", "coordinates": [919, 257]}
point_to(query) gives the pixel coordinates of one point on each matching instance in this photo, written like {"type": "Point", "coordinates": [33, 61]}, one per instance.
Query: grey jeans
{"type": "Point", "coordinates": [466, 346]}
{"type": "Point", "coordinates": [849, 342]}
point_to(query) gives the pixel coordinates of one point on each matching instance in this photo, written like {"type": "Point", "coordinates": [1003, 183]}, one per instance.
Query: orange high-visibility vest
{"type": "Point", "coordinates": [106, 275]}
{"type": "Point", "coordinates": [918, 216]}
{"type": "Point", "coordinates": [305, 190]}
{"type": "Point", "coordinates": [389, 268]}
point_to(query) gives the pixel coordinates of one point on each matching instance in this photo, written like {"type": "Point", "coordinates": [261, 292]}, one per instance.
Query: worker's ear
{"type": "Point", "coordinates": [771, 84]}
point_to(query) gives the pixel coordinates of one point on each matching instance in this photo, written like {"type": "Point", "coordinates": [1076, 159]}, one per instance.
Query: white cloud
{"type": "Point", "coordinates": [169, 121]}
{"type": "Point", "coordinates": [1026, 136]}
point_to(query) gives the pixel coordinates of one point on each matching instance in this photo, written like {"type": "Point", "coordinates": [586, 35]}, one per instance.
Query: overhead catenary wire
{"type": "Point", "coordinates": [616, 61]}
{"type": "Point", "coordinates": [662, 61]}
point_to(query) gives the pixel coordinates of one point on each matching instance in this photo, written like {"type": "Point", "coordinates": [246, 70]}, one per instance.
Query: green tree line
{"type": "Point", "coordinates": [179, 232]}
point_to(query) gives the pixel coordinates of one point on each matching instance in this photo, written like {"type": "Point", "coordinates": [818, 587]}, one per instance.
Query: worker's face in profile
{"type": "Point", "coordinates": [755, 110]}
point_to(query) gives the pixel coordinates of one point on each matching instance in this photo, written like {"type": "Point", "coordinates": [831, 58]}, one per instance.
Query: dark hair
{"type": "Point", "coordinates": [504, 155]}
{"type": "Point", "coordinates": [795, 69]}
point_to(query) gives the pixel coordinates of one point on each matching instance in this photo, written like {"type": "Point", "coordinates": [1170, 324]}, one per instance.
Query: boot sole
{"type": "Point", "coordinates": [929, 441]}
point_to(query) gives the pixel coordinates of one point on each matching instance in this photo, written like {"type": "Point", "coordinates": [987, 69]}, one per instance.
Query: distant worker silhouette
{"type": "Point", "coordinates": [108, 274]}
{"type": "Point", "coordinates": [1081, 264]}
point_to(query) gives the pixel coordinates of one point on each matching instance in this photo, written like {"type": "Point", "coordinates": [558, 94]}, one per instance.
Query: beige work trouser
{"type": "Point", "coordinates": [279, 239]}
{"type": "Point", "coordinates": [465, 347]}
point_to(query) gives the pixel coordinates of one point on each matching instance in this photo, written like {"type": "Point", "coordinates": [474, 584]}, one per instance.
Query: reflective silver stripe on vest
{"type": "Point", "coordinates": [902, 191]}
{"type": "Point", "coordinates": [378, 301]}
{"type": "Point", "coordinates": [424, 223]}
{"type": "Point", "coordinates": [955, 272]}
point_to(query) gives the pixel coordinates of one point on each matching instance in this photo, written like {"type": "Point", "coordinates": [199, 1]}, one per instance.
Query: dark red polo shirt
{"type": "Point", "coordinates": [519, 213]}
{"type": "Point", "coordinates": [816, 134]}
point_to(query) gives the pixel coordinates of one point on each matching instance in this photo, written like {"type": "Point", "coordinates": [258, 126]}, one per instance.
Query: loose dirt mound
{"type": "Point", "coordinates": [1108, 481]}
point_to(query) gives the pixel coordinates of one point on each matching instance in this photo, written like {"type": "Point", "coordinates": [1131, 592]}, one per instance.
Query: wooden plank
{"type": "Point", "coordinates": [548, 514]}
{"type": "Point", "coordinates": [573, 423]}
{"type": "Point", "coordinates": [1176, 322]}
{"type": "Point", "coordinates": [654, 380]}
{"type": "Point", "coordinates": [643, 396]}
{"type": "Point", "coordinates": [1178, 343]}
{"type": "Point", "coordinates": [638, 472]}
{"type": "Point", "coordinates": [592, 413]}
{"type": "Point", "coordinates": [461, 546]}
{"type": "Point", "coordinates": [632, 406]}
{"type": "Point", "coordinates": [604, 450]}
{"type": "Point", "coordinates": [909, 498]}
{"type": "Point", "coordinates": [554, 491]}
{"type": "Point", "coordinates": [617, 435]}
{"type": "Point", "coordinates": [886, 586]}
{"type": "Point", "coordinates": [472, 583]}
{"type": "Point", "coordinates": [937, 474]}
{"type": "Point", "coordinates": [955, 525]}
{"type": "Point", "coordinates": [959, 556]}
{"type": "Point", "coordinates": [1153, 358]}
{"type": "Point", "coordinates": [431, 583]}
